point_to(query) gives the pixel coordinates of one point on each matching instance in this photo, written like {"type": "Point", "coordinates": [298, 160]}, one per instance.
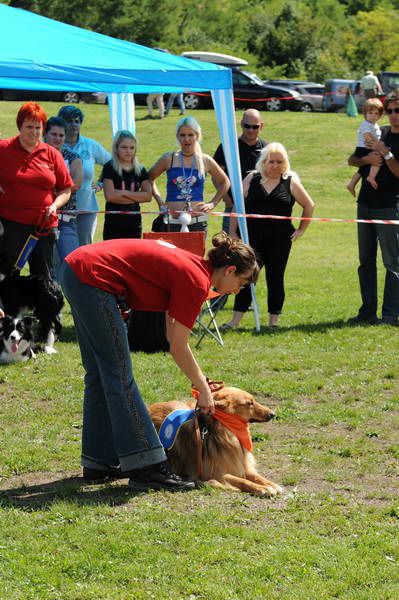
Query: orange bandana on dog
{"type": "Point", "coordinates": [236, 425]}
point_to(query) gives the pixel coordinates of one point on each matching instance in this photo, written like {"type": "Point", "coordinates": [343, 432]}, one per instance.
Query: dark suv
{"type": "Point", "coordinates": [250, 92]}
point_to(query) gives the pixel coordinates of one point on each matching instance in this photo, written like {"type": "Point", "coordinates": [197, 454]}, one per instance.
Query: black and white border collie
{"type": "Point", "coordinates": [42, 296]}
{"type": "Point", "coordinates": [16, 339]}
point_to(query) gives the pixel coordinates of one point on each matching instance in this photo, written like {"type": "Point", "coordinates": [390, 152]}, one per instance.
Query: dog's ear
{"type": "Point", "coordinates": [28, 321]}
{"type": "Point", "coordinates": [221, 399]}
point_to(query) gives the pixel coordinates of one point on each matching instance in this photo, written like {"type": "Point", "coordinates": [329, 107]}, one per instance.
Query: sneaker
{"type": "Point", "coordinates": [159, 477]}
{"type": "Point", "coordinates": [363, 320]}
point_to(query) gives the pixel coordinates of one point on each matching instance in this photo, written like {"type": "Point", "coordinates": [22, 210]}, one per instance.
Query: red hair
{"type": "Point", "coordinates": [33, 112]}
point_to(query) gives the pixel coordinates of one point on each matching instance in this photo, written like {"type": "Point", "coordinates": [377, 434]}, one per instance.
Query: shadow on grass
{"type": "Point", "coordinates": [42, 495]}
{"type": "Point", "coordinates": [307, 327]}
{"type": "Point", "coordinates": [68, 334]}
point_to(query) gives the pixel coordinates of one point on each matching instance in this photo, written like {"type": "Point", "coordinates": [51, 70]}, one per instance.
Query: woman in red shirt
{"type": "Point", "coordinates": [34, 184]}
{"type": "Point", "coordinates": [118, 437]}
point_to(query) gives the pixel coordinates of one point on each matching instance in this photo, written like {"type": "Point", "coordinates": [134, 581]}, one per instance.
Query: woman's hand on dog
{"type": "Point", "coordinates": [205, 401]}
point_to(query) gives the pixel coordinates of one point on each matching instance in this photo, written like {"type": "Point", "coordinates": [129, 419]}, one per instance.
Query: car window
{"type": "Point", "coordinates": [317, 91]}
{"type": "Point", "coordinates": [240, 79]}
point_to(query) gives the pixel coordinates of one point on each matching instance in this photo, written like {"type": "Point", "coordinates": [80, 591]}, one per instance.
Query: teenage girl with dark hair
{"type": "Point", "coordinates": [119, 438]}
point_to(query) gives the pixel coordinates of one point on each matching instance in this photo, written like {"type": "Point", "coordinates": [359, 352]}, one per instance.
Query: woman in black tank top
{"type": "Point", "coordinates": [272, 189]}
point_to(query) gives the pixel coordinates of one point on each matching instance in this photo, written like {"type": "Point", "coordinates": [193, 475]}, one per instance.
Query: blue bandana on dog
{"type": "Point", "coordinates": [172, 424]}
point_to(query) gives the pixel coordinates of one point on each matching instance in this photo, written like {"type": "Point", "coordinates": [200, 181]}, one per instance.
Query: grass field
{"type": "Point", "coordinates": [334, 445]}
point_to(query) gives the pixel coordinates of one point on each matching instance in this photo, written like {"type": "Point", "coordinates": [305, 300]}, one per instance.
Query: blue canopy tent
{"type": "Point", "coordinates": [38, 53]}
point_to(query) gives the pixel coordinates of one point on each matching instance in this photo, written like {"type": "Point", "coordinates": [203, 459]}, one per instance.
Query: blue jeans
{"type": "Point", "coordinates": [388, 238]}
{"type": "Point", "coordinates": [86, 224]}
{"type": "Point", "coordinates": [68, 239]}
{"type": "Point", "coordinates": [117, 428]}
{"type": "Point", "coordinates": [180, 103]}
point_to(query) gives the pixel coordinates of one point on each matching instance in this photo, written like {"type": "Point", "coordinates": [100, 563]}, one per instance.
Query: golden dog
{"type": "Point", "coordinates": [224, 462]}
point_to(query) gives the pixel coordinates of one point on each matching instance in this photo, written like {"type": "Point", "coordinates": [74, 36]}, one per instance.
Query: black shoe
{"type": "Point", "coordinates": [159, 477]}
{"type": "Point", "coordinates": [394, 321]}
{"type": "Point", "coordinates": [98, 475]}
{"type": "Point", "coordinates": [363, 320]}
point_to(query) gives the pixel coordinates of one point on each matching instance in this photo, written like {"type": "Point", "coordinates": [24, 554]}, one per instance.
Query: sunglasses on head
{"type": "Point", "coordinates": [248, 126]}
{"type": "Point", "coordinates": [390, 111]}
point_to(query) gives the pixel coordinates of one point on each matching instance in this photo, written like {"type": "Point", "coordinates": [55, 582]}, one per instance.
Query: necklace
{"type": "Point", "coordinates": [186, 182]}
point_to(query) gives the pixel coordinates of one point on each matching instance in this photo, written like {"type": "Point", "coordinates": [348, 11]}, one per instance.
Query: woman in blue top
{"type": "Point", "coordinates": [186, 170]}
{"type": "Point", "coordinates": [91, 153]}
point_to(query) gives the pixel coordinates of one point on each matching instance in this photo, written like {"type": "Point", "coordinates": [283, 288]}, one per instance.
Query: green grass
{"type": "Point", "coordinates": [334, 445]}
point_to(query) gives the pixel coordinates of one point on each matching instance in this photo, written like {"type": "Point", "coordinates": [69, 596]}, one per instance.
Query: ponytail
{"type": "Point", "coordinates": [228, 251]}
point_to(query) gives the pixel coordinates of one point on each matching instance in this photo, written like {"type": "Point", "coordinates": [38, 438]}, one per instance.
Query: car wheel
{"type": "Point", "coordinates": [274, 104]}
{"type": "Point", "coordinates": [192, 102]}
{"type": "Point", "coordinates": [306, 107]}
{"type": "Point", "coordinates": [72, 97]}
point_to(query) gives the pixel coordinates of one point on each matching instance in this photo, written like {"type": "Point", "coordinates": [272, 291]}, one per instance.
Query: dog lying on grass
{"type": "Point", "coordinates": [224, 460]}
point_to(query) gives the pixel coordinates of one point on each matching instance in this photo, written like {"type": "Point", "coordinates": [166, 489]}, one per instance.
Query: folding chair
{"type": "Point", "coordinates": [194, 241]}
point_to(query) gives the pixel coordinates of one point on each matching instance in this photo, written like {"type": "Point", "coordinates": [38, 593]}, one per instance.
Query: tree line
{"type": "Point", "coordinates": [312, 39]}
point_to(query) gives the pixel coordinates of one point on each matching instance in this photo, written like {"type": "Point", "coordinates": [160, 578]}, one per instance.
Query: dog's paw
{"type": "Point", "coordinates": [50, 350]}
{"type": "Point", "coordinates": [272, 489]}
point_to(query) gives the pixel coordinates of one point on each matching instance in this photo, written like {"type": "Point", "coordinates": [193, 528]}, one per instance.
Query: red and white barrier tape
{"type": "Point", "coordinates": [238, 215]}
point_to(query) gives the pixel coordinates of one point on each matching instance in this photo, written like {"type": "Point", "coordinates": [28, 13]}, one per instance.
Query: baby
{"type": "Point", "coordinates": [367, 132]}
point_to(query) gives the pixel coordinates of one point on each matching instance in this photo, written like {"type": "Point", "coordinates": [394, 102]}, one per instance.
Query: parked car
{"type": "Point", "coordinates": [94, 97]}
{"type": "Point", "coordinates": [311, 93]}
{"type": "Point", "coordinates": [311, 96]}
{"type": "Point", "coordinates": [39, 95]}
{"type": "Point", "coordinates": [248, 87]}
{"type": "Point", "coordinates": [335, 94]}
{"type": "Point", "coordinates": [389, 81]}
{"type": "Point", "coordinates": [287, 82]}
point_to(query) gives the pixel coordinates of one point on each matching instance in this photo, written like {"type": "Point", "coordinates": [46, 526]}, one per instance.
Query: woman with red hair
{"type": "Point", "coordinates": [34, 184]}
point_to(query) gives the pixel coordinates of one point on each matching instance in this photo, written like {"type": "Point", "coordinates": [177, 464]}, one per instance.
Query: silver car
{"type": "Point", "coordinates": [311, 96]}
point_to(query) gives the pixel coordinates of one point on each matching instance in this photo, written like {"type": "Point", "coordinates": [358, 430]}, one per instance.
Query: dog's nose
{"type": "Point", "coordinates": [272, 415]}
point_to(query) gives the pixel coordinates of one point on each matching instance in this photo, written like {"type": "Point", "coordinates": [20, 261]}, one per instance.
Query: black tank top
{"type": "Point", "coordinates": [278, 202]}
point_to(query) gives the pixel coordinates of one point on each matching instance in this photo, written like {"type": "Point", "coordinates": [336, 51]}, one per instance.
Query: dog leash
{"type": "Point", "coordinates": [201, 432]}
{"type": "Point", "coordinates": [41, 230]}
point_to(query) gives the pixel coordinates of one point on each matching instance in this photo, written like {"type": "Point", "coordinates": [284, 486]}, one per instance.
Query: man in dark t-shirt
{"type": "Point", "coordinates": [249, 147]}
{"type": "Point", "coordinates": [381, 203]}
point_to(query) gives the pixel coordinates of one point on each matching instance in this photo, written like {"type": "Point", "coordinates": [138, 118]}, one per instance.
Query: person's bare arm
{"type": "Point", "coordinates": [76, 171]}
{"type": "Point", "coordinates": [302, 197]}
{"type": "Point", "coordinates": [178, 336]}
{"type": "Point", "coordinates": [219, 180]}
{"type": "Point", "coordinates": [126, 196]}
{"type": "Point", "coordinates": [61, 199]}
{"type": "Point", "coordinates": [374, 158]}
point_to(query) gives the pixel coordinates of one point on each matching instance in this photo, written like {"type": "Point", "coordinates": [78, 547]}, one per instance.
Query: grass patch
{"type": "Point", "coordinates": [333, 445]}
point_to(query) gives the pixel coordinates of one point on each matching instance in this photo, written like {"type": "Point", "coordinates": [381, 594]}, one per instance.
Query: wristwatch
{"type": "Point", "coordinates": [388, 156]}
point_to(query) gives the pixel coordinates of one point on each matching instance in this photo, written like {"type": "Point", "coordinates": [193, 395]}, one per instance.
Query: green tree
{"type": "Point", "coordinates": [373, 41]}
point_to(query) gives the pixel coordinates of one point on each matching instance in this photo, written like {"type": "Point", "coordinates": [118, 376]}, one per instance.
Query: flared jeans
{"type": "Point", "coordinates": [117, 428]}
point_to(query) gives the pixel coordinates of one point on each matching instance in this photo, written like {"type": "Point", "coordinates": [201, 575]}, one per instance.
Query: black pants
{"type": "Point", "coordinates": [122, 227]}
{"type": "Point", "coordinates": [15, 236]}
{"type": "Point", "coordinates": [272, 248]}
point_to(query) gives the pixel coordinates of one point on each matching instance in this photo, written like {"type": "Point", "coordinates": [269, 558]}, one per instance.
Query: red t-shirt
{"type": "Point", "coordinates": [151, 275]}
{"type": "Point", "coordinates": [29, 180]}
